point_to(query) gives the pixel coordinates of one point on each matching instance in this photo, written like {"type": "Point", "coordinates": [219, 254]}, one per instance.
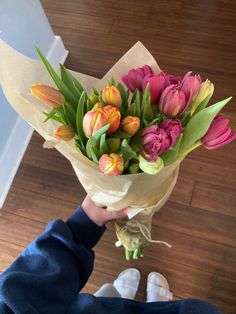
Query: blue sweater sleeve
{"type": "Point", "coordinates": [52, 270]}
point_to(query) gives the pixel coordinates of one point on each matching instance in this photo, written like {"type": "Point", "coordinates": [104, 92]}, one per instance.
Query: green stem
{"type": "Point", "coordinates": [194, 146]}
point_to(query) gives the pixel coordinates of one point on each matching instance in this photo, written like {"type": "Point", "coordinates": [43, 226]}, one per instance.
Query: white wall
{"type": "Point", "coordinates": [23, 25]}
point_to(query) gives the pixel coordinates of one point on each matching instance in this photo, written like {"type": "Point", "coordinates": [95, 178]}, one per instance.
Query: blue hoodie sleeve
{"type": "Point", "coordinates": [52, 270]}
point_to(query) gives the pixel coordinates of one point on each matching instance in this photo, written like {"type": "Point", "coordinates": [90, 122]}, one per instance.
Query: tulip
{"type": "Point", "coordinates": [48, 95]}
{"type": "Point", "coordinates": [113, 118]}
{"type": "Point", "coordinates": [65, 133]}
{"type": "Point", "coordinates": [206, 90]}
{"type": "Point", "coordinates": [94, 120]}
{"type": "Point", "coordinates": [172, 79]}
{"type": "Point", "coordinates": [174, 101]}
{"type": "Point", "coordinates": [173, 129]}
{"type": "Point", "coordinates": [155, 141]}
{"type": "Point", "coordinates": [111, 165]}
{"type": "Point", "coordinates": [130, 125]}
{"type": "Point", "coordinates": [111, 96]}
{"type": "Point", "coordinates": [134, 79]}
{"type": "Point", "coordinates": [157, 83]}
{"type": "Point", "coordinates": [113, 144]}
{"type": "Point", "coordinates": [192, 82]}
{"type": "Point", "coordinates": [151, 167]}
{"type": "Point", "coordinates": [219, 133]}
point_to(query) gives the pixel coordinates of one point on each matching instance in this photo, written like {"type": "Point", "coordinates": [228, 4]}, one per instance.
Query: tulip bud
{"type": "Point", "coordinates": [94, 99]}
{"type": "Point", "coordinates": [113, 144]}
{"type": "Point", "coordinates": [218, 134]}
{"type": "Point", "coordinates": [94, 120]}
{"type": "Point", "coordinates": [157, 83]}
{"type": "Point", "coordinates": [134, 78]}
{"type": "Point", "coordinates": [174, 101]}
{"type": "Point", "coordinates": [65, 133]}
{"type": "Point", "coordinates": [192, 82]}
{"type": "Point", "coordinates": [111, 96]}
{"type": "Point", "coordinates": [48, 95]}
{"type": "Point", "coordinates": [151, 167]}
{"type": "Point", "coordinates": [130, 125]}
{"type": "Point", "coordinates": [207, 89]}
{"type": "Point", "coordinates": [111, 165]}
{"type": "Point", "coordinates": [113, 118]}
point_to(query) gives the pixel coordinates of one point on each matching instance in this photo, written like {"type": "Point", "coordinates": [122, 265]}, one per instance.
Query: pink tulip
{"type": "Point", "coordinates": [172, 79]}
{"type": "Point", "coordinates": [155, 141]}
{"type": "Point", "coordinates": [191, 82]}
{"type": "Point", "coordinates": [173, 129]}
{"type": "Point", "coordinates": [219, 133]}
{"type": "Point", "coordinates": [94, 120]}
{"type": "Point", "coordinates": [113, 118]}
{"type": "Point", "coordinates": [134, 79]}
{"type": "Point", "coordinates": [111, 165]}
{"type": "Point", "coordinates": [174, 101]}
{"type": "Point", "coordinates": [157, 83]}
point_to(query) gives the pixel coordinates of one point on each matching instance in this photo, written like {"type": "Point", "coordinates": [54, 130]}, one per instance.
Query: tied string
{"type": "Point", "coordinates": [135, 227]}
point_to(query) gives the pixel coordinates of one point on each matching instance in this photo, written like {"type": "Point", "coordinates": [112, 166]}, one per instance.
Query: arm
{"type": "Point", "coordinates": [48, 275]}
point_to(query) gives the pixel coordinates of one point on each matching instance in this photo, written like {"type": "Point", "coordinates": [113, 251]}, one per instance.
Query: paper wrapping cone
{"type": "Point", "coordinates": [143, 194]}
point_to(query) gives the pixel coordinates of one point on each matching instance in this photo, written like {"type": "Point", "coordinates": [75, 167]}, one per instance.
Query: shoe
{"type": "Point", "coordinates": [127, 283]}
{"type": "Point", "coordinates": [158, 288]}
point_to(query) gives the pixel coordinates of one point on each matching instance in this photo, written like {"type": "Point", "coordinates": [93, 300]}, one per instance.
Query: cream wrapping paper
{"type": "Point", "coordinates": [143, 194]}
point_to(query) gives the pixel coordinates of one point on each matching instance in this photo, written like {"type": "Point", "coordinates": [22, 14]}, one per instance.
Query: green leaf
{"type": "Point", "coordinates": [126, 151]}
{"type": "Point", "coordinates": [69, 114]}
{"type": "Point", "coordinates": [112, 82]}
{"type": "Point", "coordinates": [70, 97]}
{"type": "Point", "coordinates": [131, 110]}
{"type": "Point", "coordinates": [185, 117]}
{"type": "Point", "coordinates": [71, 82]}
{"type": "Point", "coordinates": [79, 118]}
{"type": "Point", "coordinates": [95, 91]}
{"type": "Point", "coordinates": [134, 168]}
{"type": "Point", "coordinates": [89, 105]}
{"type": "Point", "coordinates": [199, 124]}
{"type": "Point", "coordinates": [97, 135]}
{"type": "Point", "coordinates": [123, 96]}
{"type": "Point", "coordinates": [172, 154]}
{"type": "Point", "coordinates": [137, 101]}
{"type": "Point", "coordinates": [103, 145]}
{"type": "Point", "coordinates": [147, 113]}
{"type": "Point", "coordinates": [136, 142]}
{"type": "Point", "coordinates": [53, 117]}
{"type": "Point", "coordinates": [92, 151]}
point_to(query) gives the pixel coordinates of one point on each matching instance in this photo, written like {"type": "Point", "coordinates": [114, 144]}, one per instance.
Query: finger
{"type": "Point", "coordinates": [119, 214]}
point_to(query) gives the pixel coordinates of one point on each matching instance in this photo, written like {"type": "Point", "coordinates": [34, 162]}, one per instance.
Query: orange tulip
{"type": "Point", "coordinates": [65, 133]}
{"type": "Point", "coordinates": [94, 120]}
{"type": "Point", "coordinates": [111, 165]}
{"type": "Point", "coordinates": [48, 95]}
{"type": "Point", "coordinates": [130, 125]}
{"type": "Point", "coordinates": [111, 96]}
{"type": "Point", "coordinates": [113, 118]}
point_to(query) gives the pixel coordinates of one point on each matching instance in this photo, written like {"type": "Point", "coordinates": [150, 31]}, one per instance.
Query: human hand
{"type": "Point", "coordinates": [100, 215]}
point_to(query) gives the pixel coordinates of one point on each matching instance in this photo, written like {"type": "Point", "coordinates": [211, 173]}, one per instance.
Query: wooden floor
{"type": "Point", "coordinates": [200, 217]}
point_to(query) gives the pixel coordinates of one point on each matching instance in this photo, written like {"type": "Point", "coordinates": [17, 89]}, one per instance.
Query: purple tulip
{"type": "Point", "coordinates": [134, 79]}
{"type": "Point", "coordinates": [154, 141]}
{"type": "Point", "coordinates": [219, 133]}
{"type": "Point", "coordinates": [157, 83]}
{"type": "Point", "coordinates": [191, 82]}
{"type": "Point", "coordinates": [174, 101]}
{"type": "Point", "coordinates": [173, 129]}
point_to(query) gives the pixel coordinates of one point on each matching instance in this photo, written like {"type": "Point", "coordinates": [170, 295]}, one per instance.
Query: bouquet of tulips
{"type": "Point", "coordinates": [126, 136]}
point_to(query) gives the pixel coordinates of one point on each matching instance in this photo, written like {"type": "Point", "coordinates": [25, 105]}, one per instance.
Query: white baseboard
{"type": "Point", "coordinates": [18, 139]}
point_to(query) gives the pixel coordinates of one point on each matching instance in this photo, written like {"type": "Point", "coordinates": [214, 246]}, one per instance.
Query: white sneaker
{"type": "Point", "coordinates": [127, 283]}
{"type": "Point", "coordinates": [158, 288]}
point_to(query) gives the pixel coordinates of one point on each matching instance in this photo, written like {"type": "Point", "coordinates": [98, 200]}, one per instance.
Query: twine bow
{"type": "Point", "coordinates": [135, 227]}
